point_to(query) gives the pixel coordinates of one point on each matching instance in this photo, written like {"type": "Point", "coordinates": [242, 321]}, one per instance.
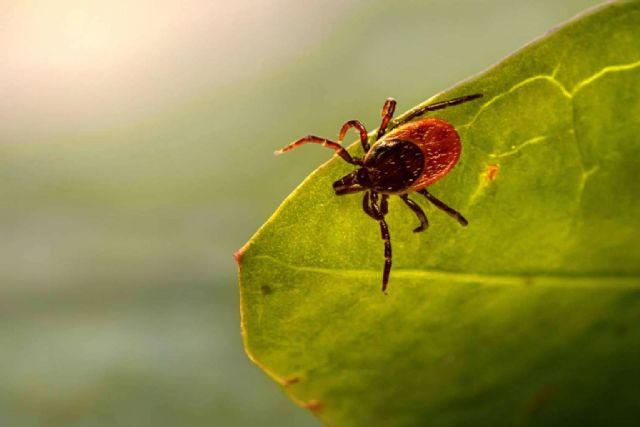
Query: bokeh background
{"type": "Point", "coordinates": [136, 142]}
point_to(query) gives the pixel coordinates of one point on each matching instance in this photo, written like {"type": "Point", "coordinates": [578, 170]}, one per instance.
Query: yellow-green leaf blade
{"type": "Point", "coordinates": [528, 315]}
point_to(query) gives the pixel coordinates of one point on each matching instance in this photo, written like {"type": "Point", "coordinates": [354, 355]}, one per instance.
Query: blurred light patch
{"type": "Point", "coordinates": [77, 64]}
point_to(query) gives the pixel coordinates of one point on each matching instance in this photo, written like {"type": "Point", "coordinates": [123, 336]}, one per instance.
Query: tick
{"type": "Point", "coordinates": [406, 157]}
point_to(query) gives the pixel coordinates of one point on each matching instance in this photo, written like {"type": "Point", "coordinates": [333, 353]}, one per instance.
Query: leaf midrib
{"type": "Point", "coordinates": [608, 281]}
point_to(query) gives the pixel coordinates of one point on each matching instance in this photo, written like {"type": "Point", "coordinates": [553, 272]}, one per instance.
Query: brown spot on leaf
{"type": "Point", "coordinates": [290, 381]}
{"type": "Point", "coordinates": [313, 405]}
{"type": "Point", "coordinates": [492, 172]}
{"type": "Point", "coordinates": [266, 289]}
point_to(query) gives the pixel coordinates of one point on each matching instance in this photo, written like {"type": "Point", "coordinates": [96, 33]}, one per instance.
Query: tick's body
{"type": "Point", "coordinates": [409, 158]}
{"type": "Point", "coordinates": [412, 157]}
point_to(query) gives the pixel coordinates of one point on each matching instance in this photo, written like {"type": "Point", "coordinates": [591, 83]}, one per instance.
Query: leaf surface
{"type": "Point", "coordinates": [529, 315]}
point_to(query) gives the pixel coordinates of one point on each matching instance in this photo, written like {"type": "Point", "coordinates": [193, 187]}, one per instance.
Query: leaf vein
{"type": "Point", "coordinates": [606, 70]}
{"type": "Point", "coordinates": [604, 281]}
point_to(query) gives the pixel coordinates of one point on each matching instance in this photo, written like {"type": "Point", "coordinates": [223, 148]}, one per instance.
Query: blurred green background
{"type": "Point", "coordinates": [136, 143]}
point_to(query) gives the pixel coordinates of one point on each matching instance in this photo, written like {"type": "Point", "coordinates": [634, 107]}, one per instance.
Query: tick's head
{"type": "Point", "coordinates": [354, 182]}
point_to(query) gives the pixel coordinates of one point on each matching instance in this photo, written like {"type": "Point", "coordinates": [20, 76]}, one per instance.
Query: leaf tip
{"type": "Point", "coordinates": [237, 255]}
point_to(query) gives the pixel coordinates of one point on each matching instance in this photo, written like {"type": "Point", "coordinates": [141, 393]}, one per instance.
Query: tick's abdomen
{"type": "Point", "coordinates": [439, 143]}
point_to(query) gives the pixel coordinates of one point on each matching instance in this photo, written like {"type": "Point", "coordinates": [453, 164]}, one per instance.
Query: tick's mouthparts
{"type": "Point", "coordinates": [347, 184]}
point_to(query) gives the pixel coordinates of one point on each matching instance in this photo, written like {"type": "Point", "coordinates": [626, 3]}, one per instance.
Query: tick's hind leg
{"type": "Point", "coordinates": [370, 206]}
{"type": "Point", "coordinates": [424, 222]}
{"type": "Point", "coordinates": [433, 107]}
{"type": "Point", "coordinates": [442, 206]}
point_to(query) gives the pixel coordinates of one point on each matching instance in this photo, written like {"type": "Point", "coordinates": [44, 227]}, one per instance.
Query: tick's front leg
{"type": "Point", "coordinates": [378, 213]}
{"type": "Point", "coordinates": [388, 109]}
{"type": "Point", "coordinates": [364, 139]}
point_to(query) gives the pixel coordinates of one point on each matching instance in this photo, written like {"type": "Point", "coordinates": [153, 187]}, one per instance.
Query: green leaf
{"type": "Point", "coordinates": [528, 316]}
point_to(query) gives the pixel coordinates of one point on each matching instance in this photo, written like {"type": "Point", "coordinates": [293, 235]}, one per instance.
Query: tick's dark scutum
{"type": "Point", "coordinates": [393, 165]}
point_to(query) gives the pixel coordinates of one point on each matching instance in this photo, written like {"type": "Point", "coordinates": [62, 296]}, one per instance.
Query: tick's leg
{"type": "Point", "coordinates": [384, 205]}
{"type": "Point", "coordinates": [424, 222]}
{"type": "Point", "coordinates": [325, 143]}
{"type": "Point", "coordinates": [433, 107]}
{"type": "Point", "coordinates": [387, 113]}
{"type": "Point", "coordinates": [441, 205]}
{"type": "Point", "coordinates": [384, 232]}
{"type": "Point", "coordinates": [364, 139]}
{"type": "Point", "coordinates": [366, 206]}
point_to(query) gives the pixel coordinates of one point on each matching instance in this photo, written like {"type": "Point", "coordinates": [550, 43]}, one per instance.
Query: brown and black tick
{"type": "Point", "coordinates": [407, 156]}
